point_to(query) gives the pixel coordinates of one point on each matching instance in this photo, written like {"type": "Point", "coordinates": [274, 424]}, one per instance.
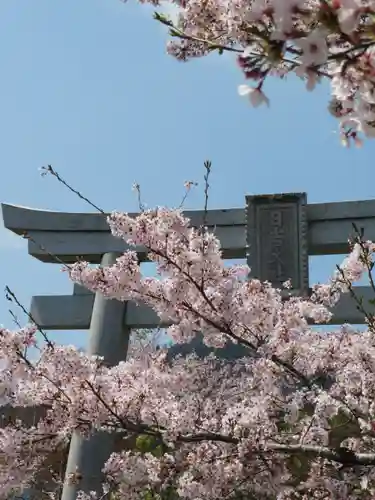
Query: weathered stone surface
{"type": "Point", "coordinates": [67, 235]}
{"type": "Point", "coordinates": [277, 239]}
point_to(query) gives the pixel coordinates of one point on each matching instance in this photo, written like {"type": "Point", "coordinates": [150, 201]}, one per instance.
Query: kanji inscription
{"type": "Point", "coordinates": [276, 239]}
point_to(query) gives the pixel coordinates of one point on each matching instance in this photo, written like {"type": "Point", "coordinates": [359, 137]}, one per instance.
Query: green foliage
{"type": "Point", "coordinates": [149, 444]}
{"type": "Point", "coordinates": [152, 444]}
{"type": "Point", "coordinates": [148, 495]}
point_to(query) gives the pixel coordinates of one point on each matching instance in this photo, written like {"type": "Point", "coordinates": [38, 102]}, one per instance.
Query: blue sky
{"type": "Point", "coordinates": [87, 86]}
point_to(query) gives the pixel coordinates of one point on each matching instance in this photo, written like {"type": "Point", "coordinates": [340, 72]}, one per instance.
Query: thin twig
{"type": "Point", "coordinates": [17, 323]}
{"type": "Point", "coordinates": [9, 295]}
{"type": "Point", "coordinates": [137, 188]}
{"type": "Point", "coordinates": [366, 256]}
{"type": "Point", "coordinates": [188, 185]}
{"type": "Point", "coordinates": [15, 319]}
{"type": "Point", "coordinates": [49, 170]}
{"type": "Point", "coordinates": [27, 236]}
{"type": "Point", "coordinates": [359, 303]}
{"type": "Point", "coordinates": [125, 424]}
{"type": "Point", "coordinates": [177, 32]}
{"type": "Point", "coordinates": [207, 166]}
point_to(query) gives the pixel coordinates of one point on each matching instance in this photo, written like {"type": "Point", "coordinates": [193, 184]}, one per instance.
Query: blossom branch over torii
{"type": "Point", "coordinates": [313, 39]}
{"type": "Point", "coordinates": [295, 415]}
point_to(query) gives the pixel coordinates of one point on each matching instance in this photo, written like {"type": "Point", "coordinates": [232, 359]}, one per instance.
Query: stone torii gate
{"type": "Point", "coordinates": [276, 233]}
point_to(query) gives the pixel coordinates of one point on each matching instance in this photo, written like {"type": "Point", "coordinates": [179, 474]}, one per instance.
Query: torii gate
{"type": "Point", "coordinates": [278, 231]}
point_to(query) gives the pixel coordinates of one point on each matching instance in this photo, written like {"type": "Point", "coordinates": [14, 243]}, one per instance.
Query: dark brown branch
{"type": "Point", "coordinates": [341, 455]}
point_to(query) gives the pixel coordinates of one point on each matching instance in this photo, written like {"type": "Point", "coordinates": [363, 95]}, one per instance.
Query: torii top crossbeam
{"type": "Point", "coordinates": [68, 235]}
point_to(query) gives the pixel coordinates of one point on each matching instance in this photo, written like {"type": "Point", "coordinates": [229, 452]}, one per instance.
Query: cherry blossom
{"type": "Point", "coordinates": [314, 49]}
{"type": "Point", "coordinates": [332, 39]}
{"type": "Point", "coordinates": [255, 95]}
{"type": "Point", "coordinates": [293, 418]}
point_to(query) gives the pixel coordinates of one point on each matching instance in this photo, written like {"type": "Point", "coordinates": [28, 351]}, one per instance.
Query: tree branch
{"type": "Point", "coordinates": [341, 455]}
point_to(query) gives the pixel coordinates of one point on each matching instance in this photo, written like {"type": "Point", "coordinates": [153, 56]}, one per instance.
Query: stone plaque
{"type": "Point", "coordinates": [277, 239]}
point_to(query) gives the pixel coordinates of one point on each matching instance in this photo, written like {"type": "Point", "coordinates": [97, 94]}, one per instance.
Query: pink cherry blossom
{"type": "Point", "coordinates": [349, 12]}
{"type": "Point", "coordinates": [298, 397]}
{"type": "Point", "coordinates": [314, 49]}
{"type": "Point", "coordinates": [272, 38]}
{"type": "Point", "coordinates": [255, 95]}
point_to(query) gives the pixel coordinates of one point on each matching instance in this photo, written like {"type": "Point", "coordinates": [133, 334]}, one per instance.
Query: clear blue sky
{"type": "Point", "coordinates": [86, 86]}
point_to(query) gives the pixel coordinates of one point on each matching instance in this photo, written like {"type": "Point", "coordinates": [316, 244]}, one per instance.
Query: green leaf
{"type": "Point", "coordinates": [160, 17]}
{"type": "Point", "coordinates": [145, 443]}
{"type": "Point", "coordinates": [173, 32]}
{"type": "Point", "coordinates": [150, 444]}
{"type": "Point", "coordinates": [148, 495]}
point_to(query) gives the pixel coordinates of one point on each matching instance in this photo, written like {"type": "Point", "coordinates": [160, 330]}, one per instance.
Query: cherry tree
{"type": "Point", "coordinates": [292, 419]}
{"type": "Point", "coordinates": [313, 39]}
